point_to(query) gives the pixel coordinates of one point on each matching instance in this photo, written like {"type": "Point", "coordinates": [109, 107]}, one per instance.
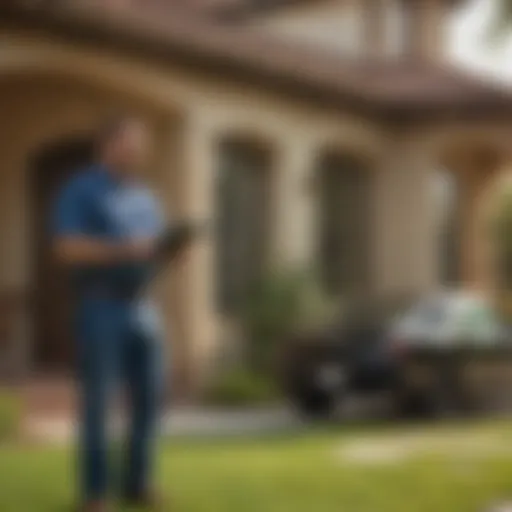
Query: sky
{"type": "Point", "coordinates": [467, 44]}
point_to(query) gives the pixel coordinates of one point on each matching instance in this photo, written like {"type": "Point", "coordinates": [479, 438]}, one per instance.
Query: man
{"type": "Point", "coordinates": [105, 227]}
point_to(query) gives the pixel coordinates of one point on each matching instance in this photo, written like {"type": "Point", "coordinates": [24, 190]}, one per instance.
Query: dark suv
{"type": "Point", "coordinates": [319, 368]}
{"type": "Point", "coordinates": [444, 354]}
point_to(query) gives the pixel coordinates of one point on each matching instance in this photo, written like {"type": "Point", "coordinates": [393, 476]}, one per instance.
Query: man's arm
{"type": "Point", "coordinates": [80, 250]}
{"type": "Point", "coordinates": [73, 240]}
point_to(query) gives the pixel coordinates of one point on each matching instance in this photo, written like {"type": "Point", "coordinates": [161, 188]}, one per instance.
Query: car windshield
{"type": "Point", "coordinates": [428, 314]}
{"type": "Point", "coordinates": [452, 317]}
{"type": "Point", "coordinates": [476, 314]}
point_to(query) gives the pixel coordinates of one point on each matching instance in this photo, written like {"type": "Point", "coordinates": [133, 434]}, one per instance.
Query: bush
{"type": "Point", "coordinates": [242, 388]}
{"type": "Point", "coordinates": [10, 416]}
{"type": "Point", "coordinates": [280, 305]}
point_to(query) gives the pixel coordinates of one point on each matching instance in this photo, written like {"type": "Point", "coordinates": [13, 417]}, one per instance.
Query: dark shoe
{"type": "Point", "coordinates": [95, 506]}
{"type": "Point", "coordinates": [148, 500]}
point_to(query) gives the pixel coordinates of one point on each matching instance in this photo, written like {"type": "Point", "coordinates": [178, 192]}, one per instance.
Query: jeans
{"type": "Point", "coordinates": [115, 347]}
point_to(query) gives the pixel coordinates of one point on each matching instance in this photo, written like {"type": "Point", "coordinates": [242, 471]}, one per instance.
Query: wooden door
{"type": "Point", "coordinates": [53, 301]}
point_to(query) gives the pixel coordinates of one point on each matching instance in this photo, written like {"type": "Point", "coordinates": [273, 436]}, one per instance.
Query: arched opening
{"type": "Point", "coordinates": [242, 214]}
{"type": "Point", "coordinates": [53, 300]}
{"type": "Point", "coordinates": [461, 184]}
{"type": "Point", "coordinates": [43, 108]}
{"type": "Point", "coordinates": [343, 222]}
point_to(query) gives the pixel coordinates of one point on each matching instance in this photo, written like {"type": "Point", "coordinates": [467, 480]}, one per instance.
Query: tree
{"type": "Point", "coordinates": [502, 23]}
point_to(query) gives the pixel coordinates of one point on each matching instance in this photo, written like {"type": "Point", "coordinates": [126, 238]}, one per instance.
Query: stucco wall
{"type": "Point", "coordinates": [355, 27]}
{"type": "Point", "coordinates": [333, 24]}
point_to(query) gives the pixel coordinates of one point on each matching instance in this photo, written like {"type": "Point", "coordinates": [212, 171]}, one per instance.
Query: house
{"type": "Point", "coordinates": [307, 129]}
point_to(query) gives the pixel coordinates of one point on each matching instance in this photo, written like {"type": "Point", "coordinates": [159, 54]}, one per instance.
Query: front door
{"type": "Point", "coordinates": [53, 301]}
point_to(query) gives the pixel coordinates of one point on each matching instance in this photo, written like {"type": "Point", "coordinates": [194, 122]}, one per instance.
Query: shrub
{"type": "Point", "coordinates": [242, 388]}
{"type": "Point", "coordinates": [10, 416]}
{"type": "Point", "coordinates": [279, 306]}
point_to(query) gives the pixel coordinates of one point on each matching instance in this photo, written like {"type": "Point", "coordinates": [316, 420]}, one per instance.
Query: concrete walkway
{"type": "Point", "coordinates": [182, 422]}
{"type": "Point", "coordinates": [50, 404]}
{"type": "Point", "coordinates": [212, 422]}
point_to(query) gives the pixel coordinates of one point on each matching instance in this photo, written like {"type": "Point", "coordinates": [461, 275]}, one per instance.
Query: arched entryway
{"type": "Point", "coordinates": [475, 166]}
{"type": "Point", "coordinates": [446, 204]}
{"type": "Point", "coordinates": [45, 134]}
{"type": "Point", "coordinates": [53, 301]}
{"type": "Point", "coordinates": [465, 175]}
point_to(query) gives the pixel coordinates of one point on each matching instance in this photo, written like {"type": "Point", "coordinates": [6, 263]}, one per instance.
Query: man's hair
{"type": "Point", "coordinates": [111, 127]}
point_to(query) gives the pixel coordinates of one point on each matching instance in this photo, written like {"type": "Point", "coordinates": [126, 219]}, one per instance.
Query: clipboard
{"type": "Point", "coordinates": [175, 238]}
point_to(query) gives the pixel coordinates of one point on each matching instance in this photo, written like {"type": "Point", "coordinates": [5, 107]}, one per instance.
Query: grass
{"type": "Point", "coordinates": [300, 473]}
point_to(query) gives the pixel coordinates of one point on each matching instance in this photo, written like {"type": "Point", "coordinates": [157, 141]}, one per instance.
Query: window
{"type": "Point", "coordinates": [343, 223]}
{"type": "Point", "coordinates": [242, 207]}
{"type": "Point", "coordinates": [446, 203]}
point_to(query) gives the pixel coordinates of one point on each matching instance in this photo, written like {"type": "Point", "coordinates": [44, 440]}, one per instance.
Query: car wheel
{"type": "Point", "coordinates": [315, 404]}
{"type": "Point", "coordinates": [428, 403]}
{"type": "Point", "coordinates": [414, 404]}
{"type": "Point", "coordinates": [407, 404]}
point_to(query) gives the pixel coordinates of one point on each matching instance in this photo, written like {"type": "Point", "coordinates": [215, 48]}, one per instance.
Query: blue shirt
{"type": "Point", "coordinates": [96, 204]}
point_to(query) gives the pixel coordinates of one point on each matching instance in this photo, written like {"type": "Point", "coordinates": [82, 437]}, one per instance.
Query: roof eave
{"type": "Point", "coordinates": [130, 37]}
{"type": "Point", "coordinates": [117, 37]}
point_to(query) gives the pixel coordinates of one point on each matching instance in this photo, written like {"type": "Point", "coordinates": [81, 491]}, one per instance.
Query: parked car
{"type": "Point", "coordinates": [420, 352]}
{"type": "Point", "coordinates": [449, 320]}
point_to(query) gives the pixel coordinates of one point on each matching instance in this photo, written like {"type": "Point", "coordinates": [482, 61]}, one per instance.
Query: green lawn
{"type": "Point", "coordinates": [310, 472]}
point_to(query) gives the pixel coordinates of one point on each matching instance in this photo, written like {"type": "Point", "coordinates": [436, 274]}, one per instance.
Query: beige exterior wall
{"type": "Point", "coordinates": [49, 90]}
{"type": "Point", "coordinates": [331, 23]}
{"type": "Point", "coordinates": [376, 28]}
{"type": "Point", "coordinates": [405, 256]}
{"type": "Point", "coordinates": [430, 38]}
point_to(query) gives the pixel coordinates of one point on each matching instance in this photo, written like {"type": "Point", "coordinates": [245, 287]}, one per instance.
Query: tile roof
{"type": "Point", "coordinates": [394, 89]}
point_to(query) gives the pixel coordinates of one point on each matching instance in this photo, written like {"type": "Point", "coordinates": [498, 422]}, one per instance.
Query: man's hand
{"type": "Point", "coordinates": [141, 250]}
{"type": "Point", "coordinates": [87, 251]}
{"type": "Point", "coordinates": [183, 255]}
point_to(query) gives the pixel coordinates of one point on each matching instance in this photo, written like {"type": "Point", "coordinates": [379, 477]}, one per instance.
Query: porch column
{"type": "Point", "coordinates": [404, 254]}
{"type": "Point", "coordinates": [293, 195]}
{"type": "Point", "coordinates": [470, 184]}
{"type": "Point", "coordinates": [477, 178]}
{"type": "Point", "coordinates": [195, 273]}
